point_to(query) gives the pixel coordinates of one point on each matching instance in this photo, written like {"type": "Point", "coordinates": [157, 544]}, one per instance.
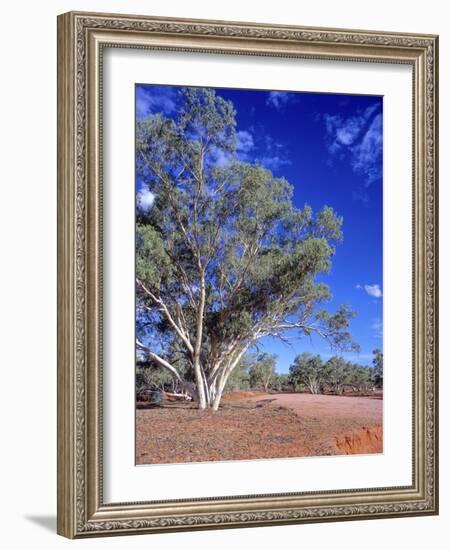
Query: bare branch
{"type": "Point", "coordinates": [159, 360]}
{"type": "Point", "coordinates": [165, 310]}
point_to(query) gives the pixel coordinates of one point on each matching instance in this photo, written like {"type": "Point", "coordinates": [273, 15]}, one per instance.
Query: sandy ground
{"type": "Point", "coordinates": [256, 426]}
{"type": "Point", "coordinates": [323, 406]}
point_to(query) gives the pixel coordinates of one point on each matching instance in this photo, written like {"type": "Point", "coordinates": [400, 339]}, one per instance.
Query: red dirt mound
{"type": "Point", "coordinates": [240, 395]}
{"type": "Point", "coordinates": [362, 441]}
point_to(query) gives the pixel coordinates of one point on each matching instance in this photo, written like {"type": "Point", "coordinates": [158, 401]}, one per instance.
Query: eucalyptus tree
{"type": "Point", "coordinates": [338, 373]}
{"type": "Point", "coordinates": [308, 370]}
{"type": "Point", "coordinates": [363, 377]}
{"type": "Point", "coordinates": [224, 258]}
{"type": "Point", "coordinates": [262, 370]}
{"type": "Point", "coordinates": [377, 363]}
{"type": "Point", "coordinates": [281, 382]}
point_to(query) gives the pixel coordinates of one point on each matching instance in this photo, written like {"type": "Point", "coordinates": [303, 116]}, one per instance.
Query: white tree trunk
{"type": "Point", "coordinates": [218, 395]}
{"type": "Point", "coordinates": [199, 381]}
{"type": "Point", "coordinates": [225, 371]}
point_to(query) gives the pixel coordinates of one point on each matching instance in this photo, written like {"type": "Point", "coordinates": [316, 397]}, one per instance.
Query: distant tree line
{"type": "Point", "coordinates": [257, 371]}
{"type": "Point", "coordinates": [335, 375]}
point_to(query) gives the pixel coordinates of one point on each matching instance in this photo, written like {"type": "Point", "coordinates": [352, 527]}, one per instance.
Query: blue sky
{"type": "Point", "coordinates": [329, 147]}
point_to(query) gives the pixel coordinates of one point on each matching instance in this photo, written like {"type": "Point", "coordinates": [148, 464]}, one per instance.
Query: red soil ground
{"type": "Point", "coordinates": [325, 406]}
{"type": "Point", "coordinates": [252, 425]}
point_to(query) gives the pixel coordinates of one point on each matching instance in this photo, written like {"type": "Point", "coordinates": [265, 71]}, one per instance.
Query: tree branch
{"type": "Point", "coordinates": [165, 310]}
{"type": "Point", "coordinates": [160, 361]}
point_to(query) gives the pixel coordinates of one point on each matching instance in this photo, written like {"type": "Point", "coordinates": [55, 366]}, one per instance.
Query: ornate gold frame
{"type": "Point", "coordinates": [81, 37]}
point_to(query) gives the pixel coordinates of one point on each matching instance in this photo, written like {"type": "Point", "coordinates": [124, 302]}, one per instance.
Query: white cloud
{"type": "Point", "coordinates": [278, 100]}
{"type": "Point", "coordinates": [358, 138]}
{"type": "Point", "coordinates": [266, 151]}
{"type": "Point", "coordinates": [345, 131]}
{"type": "Point", "coordinates": [244, 145]}
{"type": "Point", "coordinates": [373, 290]}
{"type": "Point", "coordinates": [151, 100]}
{"type": "Point", "coordinates": [347, 134]}
{"type": "Point", "coordinates": [273, 154]}
{"type": "Point", "coordinates": [145, 199]}
{"type": "Point", "coordinates": [367, 154]}
{"type": "Point", "coordinates": [220, 158]}
{"type": "Point", "coordinates": [274, 162]}
{"type": "Point", "coordinates": [245, 142]}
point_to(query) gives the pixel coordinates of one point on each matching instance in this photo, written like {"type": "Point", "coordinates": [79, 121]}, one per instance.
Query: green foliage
{"type": "Point", "coordinates": [336, 375]}
{"type": "Point", "coordinates": [308, 370]}
{"type": "Point", "coordinates": [153, 264]}
{"type": "Point", "coordinates": [262, 370]}
{"type": "Point", "coordinates": [361, 378]}
{"type": "Point", "coordinates": [239, 378]}
{"type": "Point", "coordinates": [377, 363]}
{"type": "Point", "coordinates": [341, 374]}
{"type": "Point", "coordinates": [280, 382]}
{"type": "Point", "coordinates": [151, 378]}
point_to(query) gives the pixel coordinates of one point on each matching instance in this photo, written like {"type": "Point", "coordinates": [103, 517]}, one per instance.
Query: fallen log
{"type": "Point", "coordinates": [175, 396]}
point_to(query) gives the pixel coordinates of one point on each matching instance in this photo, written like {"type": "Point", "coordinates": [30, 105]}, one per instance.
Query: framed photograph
{"type": "Point", "coordinates": [247, 276]}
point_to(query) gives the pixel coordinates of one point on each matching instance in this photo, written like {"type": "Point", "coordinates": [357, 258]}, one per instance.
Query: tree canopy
{"type": "Point", "coordinates": [308, 370]}
{"type": "Point", "coordinates": [262, 370]}
{"type": "Point", "coordinates": [377, 363]}
{"type": "Point", "coordinates": [334, 375]}
{"type": "Point", "coordinates": [223, 256]}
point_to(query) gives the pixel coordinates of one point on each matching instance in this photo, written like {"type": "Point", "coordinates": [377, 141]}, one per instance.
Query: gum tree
{"type": "Point", "coordinates": [262, 370]}
{"type": "Point", "coordinates": [224, 258]}
{"type": "Point", "coordinates": [377, 363]}
{"type": "Point", "coordinates": [308, 370]}
{"type": "Point", "coordinates": [337, 373]}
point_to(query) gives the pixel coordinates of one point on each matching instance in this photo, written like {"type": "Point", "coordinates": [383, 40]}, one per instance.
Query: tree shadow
{"type": "Point", "coordinates": [46, 522]}
{"type": "Point", "coordinates": [165, 406]}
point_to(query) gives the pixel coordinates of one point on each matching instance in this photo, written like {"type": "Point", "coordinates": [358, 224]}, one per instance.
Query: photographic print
{"type": "Point", "coordinates": [247, 226]}
{"type": "Point", "coordinates": [259, 274]}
